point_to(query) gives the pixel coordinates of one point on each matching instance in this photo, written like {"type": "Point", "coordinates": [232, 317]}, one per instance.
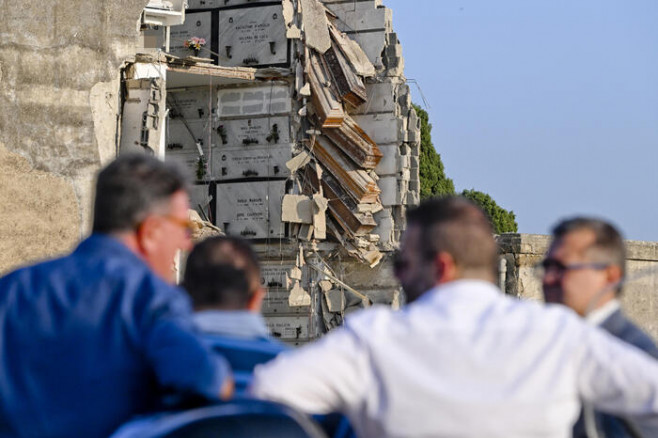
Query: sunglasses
{"type": "Point", "coordinates": [186, 224]}
{"type": "Point", "coordinates": [552, 265]}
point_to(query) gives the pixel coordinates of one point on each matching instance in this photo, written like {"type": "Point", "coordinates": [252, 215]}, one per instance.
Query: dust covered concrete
{"type": "Point", "coordinates": [59, 93]}
{"type": "Point", "coordinates": [39, 217]}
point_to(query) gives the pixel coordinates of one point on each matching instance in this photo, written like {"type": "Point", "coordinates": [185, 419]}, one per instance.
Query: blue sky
{"type": "Point", "coordinates": [549, 106]}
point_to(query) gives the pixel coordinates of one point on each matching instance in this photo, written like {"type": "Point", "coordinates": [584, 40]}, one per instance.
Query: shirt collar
{"type": "Point", "coordinates": [238, 323]}
{"type": "Point", "coordinates": [108, 245]}
{"type": "Point", "coordinates": [597, 316]}
{"type": "Point", "coordinates": [461, 288]}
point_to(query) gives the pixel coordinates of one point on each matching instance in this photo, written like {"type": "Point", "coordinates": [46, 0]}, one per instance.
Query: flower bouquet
{"type": "Point", "coordinates": [195, 44]}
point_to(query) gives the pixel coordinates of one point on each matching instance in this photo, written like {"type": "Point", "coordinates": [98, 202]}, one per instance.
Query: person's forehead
{"type": "Point", "coordinates": [179, 202]}
{"type": "Point", "coordinates": [573, 244]}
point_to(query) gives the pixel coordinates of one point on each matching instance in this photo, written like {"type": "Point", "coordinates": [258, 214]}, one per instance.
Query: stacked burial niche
{"type": "Point", "coordinates": [294, 120]}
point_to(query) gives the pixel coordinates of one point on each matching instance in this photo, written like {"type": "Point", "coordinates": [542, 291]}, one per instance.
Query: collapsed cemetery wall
{"type": "Point", "coordinates": [315, 159]}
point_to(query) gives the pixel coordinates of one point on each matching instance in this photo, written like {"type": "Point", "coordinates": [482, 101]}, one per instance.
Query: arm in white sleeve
{"type": "Point", "coordinates": [617, 377]}
{"type": "Point", "coordinates": [325, 376]}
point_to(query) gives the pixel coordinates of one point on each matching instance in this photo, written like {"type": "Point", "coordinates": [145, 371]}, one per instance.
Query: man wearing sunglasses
{"type": "Point", "coordinates": [583, 270]}
{"type": "Point", "coordinates": [93, 338]}
{"type": "Point", "coordinates": [461, 359]}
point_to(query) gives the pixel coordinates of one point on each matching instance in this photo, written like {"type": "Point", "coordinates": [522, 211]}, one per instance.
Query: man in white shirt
{"type": "Point", "coordinates": [461, 359]}
{"type": "Point", "coordinates": [583, 270]}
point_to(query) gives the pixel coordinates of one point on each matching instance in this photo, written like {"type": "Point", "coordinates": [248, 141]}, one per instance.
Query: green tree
{"type": "Point", "coordinates": [503, 221]}
{"type": "Point", "coordinates": [433, 180]}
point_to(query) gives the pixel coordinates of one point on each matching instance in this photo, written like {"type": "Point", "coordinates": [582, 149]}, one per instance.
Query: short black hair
{"type": "Point", "coordinates": [222, 272]}
{"type": "Point", "coordinates": [459, 227]}
{"type": "Point", "coordinates": [132, 187]}
{"type": "Point", "coordinates": [608, 243]}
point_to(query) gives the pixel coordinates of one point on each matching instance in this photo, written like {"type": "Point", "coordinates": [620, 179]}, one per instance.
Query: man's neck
{"type": "Point", "coordinates": [129, 240]}
{"type": "Point", "coordinates": [601, 313]}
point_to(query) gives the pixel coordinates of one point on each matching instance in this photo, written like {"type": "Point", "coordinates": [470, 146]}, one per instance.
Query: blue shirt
{"type": "Point", "coordinates": [232, 323]}
{"type": "Point", "coordinates": [90, 339]}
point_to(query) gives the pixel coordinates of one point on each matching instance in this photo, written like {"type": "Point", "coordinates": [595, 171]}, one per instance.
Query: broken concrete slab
{"type": "Point", "coordinates": [360, 16]}
{"type": "Point", "coordinates": [372, 44]}
{"type": "Point", "coordinates": [297, 209]}
{"type": "Point", "coordinates": [381, 99]}
{"type": "Point", "coordinates": [320, 205]}
{"type": "Point", "coordinates": [354, 53]}
{"type": "Point", "coordinates": [382, 128]}
{"type": "Point", "coordinates": [299, 296]}
{"type": "Point", "coordinates": [314, 24]}
{"type": "Point", "coordinates": [298, 161]}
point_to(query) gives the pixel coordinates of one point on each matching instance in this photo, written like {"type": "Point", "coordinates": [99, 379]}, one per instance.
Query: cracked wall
{"type": "Point", "coordinates": [59, 85]}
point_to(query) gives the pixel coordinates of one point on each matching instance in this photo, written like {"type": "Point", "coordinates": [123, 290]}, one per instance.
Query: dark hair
{"type": "Point", "coordinates": [459, 227]}
{"type": "Point", "coordinates": [130, 188]}
{"type": "Point", "coordinates": [608, 243]}
{"type": "Point", "coordinates": [222, 272]}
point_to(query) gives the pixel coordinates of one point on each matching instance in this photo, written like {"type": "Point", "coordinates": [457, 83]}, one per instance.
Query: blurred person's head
{"type": "Point", "coordinates": [223, 273]}
{"type": "Point", "coordinates": [584, 265]}
{"type": "Point", "coordinates": [143, 202]}
{"type": "Point", "coordinates": [446, 239]}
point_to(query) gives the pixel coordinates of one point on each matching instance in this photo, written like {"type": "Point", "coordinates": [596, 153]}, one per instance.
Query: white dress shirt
{"type": "Point", "coordinates": [463, 361]}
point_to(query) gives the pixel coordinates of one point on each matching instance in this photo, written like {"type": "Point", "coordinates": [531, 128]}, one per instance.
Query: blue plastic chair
{"type": "Point", "coordinates": [238, 418]}
{"type": "Point", "coordinates": [244, 355]}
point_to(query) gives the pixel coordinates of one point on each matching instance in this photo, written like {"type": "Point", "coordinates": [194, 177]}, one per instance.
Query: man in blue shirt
{"type": "Point", "coordinates": [93, 338]}
{"type": "Point", "coordinates": [223, 277]}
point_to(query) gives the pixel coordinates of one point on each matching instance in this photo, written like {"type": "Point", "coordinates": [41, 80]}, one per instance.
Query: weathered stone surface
{"type": "Point", "coordinates": [52, 55]}
{"type": "Point", "coordinates": [39, 217]}
{"type": "Point", "coordinates": [360, 16]}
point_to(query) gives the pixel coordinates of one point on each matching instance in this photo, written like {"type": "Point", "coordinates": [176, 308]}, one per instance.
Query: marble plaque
{"type": "Point", "coordinates": [289, 327]}
{"type": "Point", "coordinates": [192, 103]}
{"type": "Point", "coordinates": [250, 209]}
{"type": "Point", "coordinates": [244, 162]}
{"type": "Point", "coordinates": [212, 4]}
{"type": "Point", "coordinates": [253, 101]}
{"type": "Point", "coordinates": [181, 144]}
{"type": "Point", "coordinates": [253, 37]}
{"type": "Point", "coordinates": [197, 24]}
{"type": "Point", "coordinates": [258, 131]}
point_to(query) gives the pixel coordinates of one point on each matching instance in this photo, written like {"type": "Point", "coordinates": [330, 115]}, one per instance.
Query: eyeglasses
{"type": "Point", "coordinates": [552, 265]}
{"type": "Point", "coordinates": [187, 224]}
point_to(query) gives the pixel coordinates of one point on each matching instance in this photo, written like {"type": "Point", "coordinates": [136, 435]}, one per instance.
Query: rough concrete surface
{"type": "Point", "coordinates": [52, 55]}
{"type": "Point", "coordinates": [39, 210]}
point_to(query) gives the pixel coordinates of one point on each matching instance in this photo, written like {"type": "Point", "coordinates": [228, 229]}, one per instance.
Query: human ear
{"type": "Point", "coordinates": [147, 236]}
{"type": "Point", "coordinates": [446, 268]}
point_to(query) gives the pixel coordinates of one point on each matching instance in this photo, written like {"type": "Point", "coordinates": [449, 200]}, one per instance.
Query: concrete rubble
{"type": "Point", "coordinates": [295, 121]}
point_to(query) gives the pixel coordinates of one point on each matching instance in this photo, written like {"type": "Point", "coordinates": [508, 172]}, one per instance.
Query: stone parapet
{"type": "Point", "coordinates": [520, 252]}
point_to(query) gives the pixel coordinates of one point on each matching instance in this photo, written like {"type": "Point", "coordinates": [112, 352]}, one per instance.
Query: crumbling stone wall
{"type": "Point", "coordinates": [59, 93]}
{"type": "Point", "coordinates": [521, 252]}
